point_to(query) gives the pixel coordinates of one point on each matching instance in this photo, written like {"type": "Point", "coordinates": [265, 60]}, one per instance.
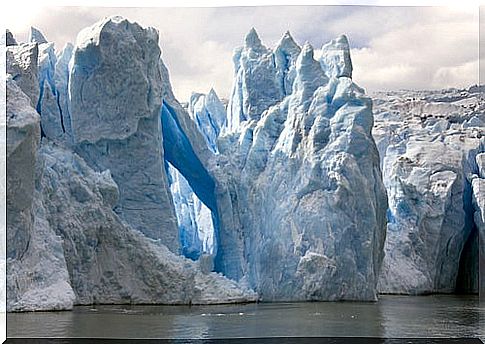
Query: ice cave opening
{"type": "Point", "coordinates": [194, 218]}
{"type": "Point", "coordinates": [467, 277]}
{"type": "Point", "coordinates": [192, 189]}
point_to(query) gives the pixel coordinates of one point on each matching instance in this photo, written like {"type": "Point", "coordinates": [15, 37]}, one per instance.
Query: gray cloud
{"type": "Point", "coordinates": [393, 47]}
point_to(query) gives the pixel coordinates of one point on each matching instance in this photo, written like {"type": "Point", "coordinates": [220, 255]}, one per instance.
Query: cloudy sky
{"type": "Point", "coordinates": [392, 47]}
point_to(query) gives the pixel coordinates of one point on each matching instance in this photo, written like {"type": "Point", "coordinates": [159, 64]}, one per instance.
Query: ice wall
{"type": "Point", "coordinates": [428, 142]}
{"type": "Point", "coordinates": [76, 246]}
{"type": "Point", "coordinates": [115, 96]}
{"type": "Point", "coordinates": [303, 208]}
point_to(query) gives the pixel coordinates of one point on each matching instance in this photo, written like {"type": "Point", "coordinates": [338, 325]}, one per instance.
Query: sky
{"type": "Point", "coordinates": [392, 47]}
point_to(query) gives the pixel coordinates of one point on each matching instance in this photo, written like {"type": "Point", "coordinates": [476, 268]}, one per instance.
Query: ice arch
{"type": "Point", "coordinates": [179, 153]}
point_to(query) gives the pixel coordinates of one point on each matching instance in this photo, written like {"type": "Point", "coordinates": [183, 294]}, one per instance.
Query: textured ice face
{"type": "Point", "coordinates": [304, 204]}
{"type": "Point", "coordinates": [48, 107]}
{"type": "Point", "coordinates": [37, 273]}
{"type": "Point", "coordinates": [285, 54]}
{"type": "Point", "coordinates": [22, 65]}
{"type": "Point", "coordinates": [115, 97]}
{"type": "Point", "coordinates": [208, 112]}
{"type": "Point", "coordinates": [61, 78]}
{"type": "Point", "coordinates": [114, 80]}
{"type": "Point", "coordinates": [196, 227]}
{"type": "Point", "coordinates": [75, 226]}
{"type": "Point", "coordinates": [478, 187]}
{"type": "Point", "coordinates": [428, 147]}
{"type": "Point", "coordinates": [335, 58]}
{"type": "Point", "coordinates": [36, 69]}
{"type": "Point", "coordinates": [23, 136]}
{"type": "Point", "coordinates": [255, 85]}
{"type": "Point", "coordinates": [106, 259]}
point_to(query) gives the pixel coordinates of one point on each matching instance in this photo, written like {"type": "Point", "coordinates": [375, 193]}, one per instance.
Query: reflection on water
{"type": "Point", "coordinates": [392, 316]}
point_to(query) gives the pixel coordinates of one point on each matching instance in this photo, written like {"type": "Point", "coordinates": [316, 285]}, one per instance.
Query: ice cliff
{"type": "Point", "coordinates": [116, 193]}
{"type": "Point", "coordinates": [429, 143]}
{"type": "Point", "coordinates": [121, 164]}
{"type": "Point", "coordinates": [115, 95]}
{"type": "Point", "coordinates": [91, 218]}
{"type": "Point", "coordinates": [478, 187]}
{"type": "Point", "coordinates": [301, 200]}
{"type": "Point", "coordinates": [36, 269]}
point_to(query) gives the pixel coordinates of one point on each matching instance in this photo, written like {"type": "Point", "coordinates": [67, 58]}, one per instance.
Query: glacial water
{"type": "Point", "coordinates": [391, 316]}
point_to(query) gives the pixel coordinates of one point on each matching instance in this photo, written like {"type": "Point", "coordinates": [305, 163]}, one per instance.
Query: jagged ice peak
{"type": "Point", "coordinates": [35, 36]}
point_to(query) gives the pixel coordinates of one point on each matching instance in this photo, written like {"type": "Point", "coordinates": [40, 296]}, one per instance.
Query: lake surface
{"type": "Point", "coordinates": [391, 316]}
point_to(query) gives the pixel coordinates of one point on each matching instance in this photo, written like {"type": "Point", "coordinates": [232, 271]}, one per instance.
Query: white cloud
{"type": "Point", "coordinates": [432, 52]}
{"type": "Point", "coordinates": [393, 47]}
{"type": "Point", "coordinates": [456, 76]}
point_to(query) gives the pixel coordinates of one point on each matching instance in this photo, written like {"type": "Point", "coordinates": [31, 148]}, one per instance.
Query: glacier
{"type": "Point", "coordinates": [196, 221]}
{"type": "Point", "coordinates": [428, 143]}
{"type": "Point", "coordinates": [478, 187]}
{"type": "Point", "coordinates": [304, 188]}
{"type": "Point", "coordinates": [209, 113]}
{"type": "Point", "coordinates": [115, 121]}
{"type": "Point", "coordinates": [304, 211]}
{"type": "Point", "coordinates": [70, 243]}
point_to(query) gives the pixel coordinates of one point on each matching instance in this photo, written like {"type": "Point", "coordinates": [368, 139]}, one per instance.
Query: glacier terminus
{"type": "Point", "coordinates": [299, 187]}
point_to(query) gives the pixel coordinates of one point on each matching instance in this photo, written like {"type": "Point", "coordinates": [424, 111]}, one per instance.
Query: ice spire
{"type": "Point", "coordinates": [309, 73]}
{"type": "Point", "coordinates": [286, 53]}
{"type": "Point", "coordinates": [36, 36]}
{"type": "Point", "coordinates": [335, 60]}
{"type": "Point", "coordinates": [288, 44]}
{"type": "Point", "coordinates": [252, 40]}
{"type": "Point", "coordinates": [9, 38]}
{"type": "Point", "coordinates": [212, 94]}
{"type": "Point", "coordinates": [306, 53]}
